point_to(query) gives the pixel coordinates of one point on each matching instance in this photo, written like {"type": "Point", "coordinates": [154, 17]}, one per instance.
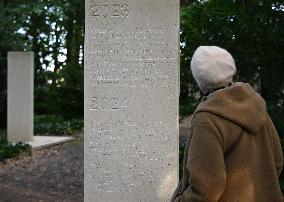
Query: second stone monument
{"type": "Point", "coordinates": [131, 100]}
{"type": "Point", "coordinates": [20, 98]}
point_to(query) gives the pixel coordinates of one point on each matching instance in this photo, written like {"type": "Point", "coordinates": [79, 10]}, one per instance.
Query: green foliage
{"type": "Point", "coordinates": [252, 31]}
{"type": "Point", "coordinates": [187, 106]}
{"type": "Point", "coordinates": [9, 40]}
{"type": "Point", "coordinates": [56, 125]}
{"type": "Point", "coordinates": [54, 31]}
{"type": "Point", "coordinates": [10, 150]}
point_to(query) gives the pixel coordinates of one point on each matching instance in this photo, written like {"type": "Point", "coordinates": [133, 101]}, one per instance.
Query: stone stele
{"type": "Point", "coordinates": [131, 100]}
{"type": "Point", "coordinates": [20, 96]}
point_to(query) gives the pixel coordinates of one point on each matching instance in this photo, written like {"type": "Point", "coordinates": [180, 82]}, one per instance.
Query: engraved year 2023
{"type": "Point", "coordinates": [109, 10]}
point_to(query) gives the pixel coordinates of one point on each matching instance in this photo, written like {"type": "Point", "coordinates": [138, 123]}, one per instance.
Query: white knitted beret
{"type": "Point", "coordinates": [212, 67]}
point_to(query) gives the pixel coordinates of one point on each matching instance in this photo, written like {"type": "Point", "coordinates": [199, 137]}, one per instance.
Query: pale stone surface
{"type": "Point", "coordinates": [20, 96]}
{"type": "Point", "coordinates": [47, 141]}
{"type": "Point", "coordinates": [131, 100]}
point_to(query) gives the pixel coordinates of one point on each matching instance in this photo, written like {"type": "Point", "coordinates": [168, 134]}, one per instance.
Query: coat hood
{"type": "Point", "coordinates": [239, 104]}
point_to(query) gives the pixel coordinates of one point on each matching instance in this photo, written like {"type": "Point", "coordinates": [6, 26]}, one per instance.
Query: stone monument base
{"type": "Point", "coordinates": [47, 141]}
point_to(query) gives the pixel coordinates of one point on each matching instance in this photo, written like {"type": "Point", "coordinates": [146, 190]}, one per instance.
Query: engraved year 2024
{"type": "Point", "coordinates": [106, 10]}
{"type": "Point", "coordinates": [108, 103]}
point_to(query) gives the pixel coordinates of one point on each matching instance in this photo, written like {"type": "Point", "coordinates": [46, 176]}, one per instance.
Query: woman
{"type": "Point", "coordinates": [233, 152]}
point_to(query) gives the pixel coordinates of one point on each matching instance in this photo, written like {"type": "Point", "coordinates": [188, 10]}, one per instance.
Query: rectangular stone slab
{"type": "Point", "coordinates": [20, 96]}
{"type": "Point", "coordinates": [131, 100]}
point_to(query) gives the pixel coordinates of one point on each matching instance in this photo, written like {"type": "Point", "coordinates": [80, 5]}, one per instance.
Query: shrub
{"type": "Point", "coordinates": [10, 150]}
{"type": "Point", "coordinates": [56, 125]}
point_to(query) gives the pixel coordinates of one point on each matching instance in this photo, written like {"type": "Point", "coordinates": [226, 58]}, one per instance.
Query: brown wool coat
{"type": "Point", "coordinates": [233, 153]}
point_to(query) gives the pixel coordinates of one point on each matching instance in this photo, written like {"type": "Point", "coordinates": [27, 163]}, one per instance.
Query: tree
{"type": "Point", "coordinates": [53, 30]}
{"type": "Point", "coordinates": [252, 31]}
{"type": "Point", "coordinates": [10, 40]}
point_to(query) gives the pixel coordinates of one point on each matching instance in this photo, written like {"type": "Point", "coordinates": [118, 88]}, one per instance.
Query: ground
{"type": "Point", "coordinates": [52, 174]}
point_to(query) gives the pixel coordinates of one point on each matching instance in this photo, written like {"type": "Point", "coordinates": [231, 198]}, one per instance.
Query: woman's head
{"type": "Point", "coordinates": [212, 67]}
